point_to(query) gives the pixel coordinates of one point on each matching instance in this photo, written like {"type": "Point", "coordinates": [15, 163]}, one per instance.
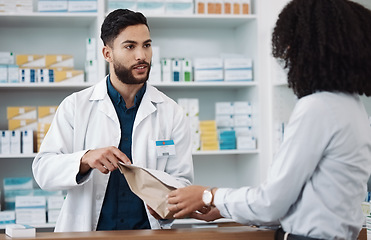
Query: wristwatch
{"type": "Point", "coordinates": [208, 197]}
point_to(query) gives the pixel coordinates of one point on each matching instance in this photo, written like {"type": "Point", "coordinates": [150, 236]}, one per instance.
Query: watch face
{"type": "Point", "coordinates": [207, 197]}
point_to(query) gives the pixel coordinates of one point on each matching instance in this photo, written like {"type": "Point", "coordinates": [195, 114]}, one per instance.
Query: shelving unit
{"type": "Point", "coordinates": [188, 36]}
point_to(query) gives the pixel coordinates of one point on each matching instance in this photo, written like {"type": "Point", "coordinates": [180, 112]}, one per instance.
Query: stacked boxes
{"type": "Point", "coordinates": [235, 118]}
{"type": "Point", "coordinates": [7, 217]}
{"type": "Point", "coordinates": [47, 69]}
{"type": "Point", "coordinates": [91, 64]}
{"type": "Point", "coordinates": [238, 69]}
{"type": "Point", "coordinates": [209, 136]}
{"type": "Point", "coordinates": [30, 209]}
{"type": "Point", "coordinates": [208, 69]}
{"type": "Point", "coordinates": [52, 5]}
{"type": "Point", "coordinates": [8, 70]}
{"type": "Point", "coordinates": [235, 7]}
{"type": "Point", "coordinates": [23, 122]}
{"type": "Point", "coordinates": [46, 115]}
{"type": "Point", "coordinates": [26, 205]}
{"type": "Point", "coordinates": [16, 187]}
{"type": "Point", "coordinates": [21, 6]}
{"type": "Point", "coordinates": [121, 4]}
{"type": "Point", "coordinates": [178, 7]}
{"type": "Point", "coordinates": [82, 5]}
{"type": "Point", "coordinates": [191, 109]}
{"type": "Point", "coordinates": [67, 5]}
{"type": "Point", "coordinates": [54, 205]}
{"type": "Point", "coordinates": [151, 7]}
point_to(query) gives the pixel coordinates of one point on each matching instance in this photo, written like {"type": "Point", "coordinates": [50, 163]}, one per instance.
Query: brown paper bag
{"type": "Point", "coordinates": [146, 184]}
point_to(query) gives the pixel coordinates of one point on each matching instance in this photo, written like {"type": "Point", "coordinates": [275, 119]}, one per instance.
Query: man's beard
{"type": "Point", "coordinates": [125, 74]}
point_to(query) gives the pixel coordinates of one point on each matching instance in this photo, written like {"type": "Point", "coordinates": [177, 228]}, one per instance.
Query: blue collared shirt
{"type": "Point", "coordinates": [122, 209]}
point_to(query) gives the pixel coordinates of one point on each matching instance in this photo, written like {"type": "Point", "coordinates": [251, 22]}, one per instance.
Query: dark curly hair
{"type": "Point", "coordinates": [117, 21]}
{"type": "Point", "coordinates": [325, 45]}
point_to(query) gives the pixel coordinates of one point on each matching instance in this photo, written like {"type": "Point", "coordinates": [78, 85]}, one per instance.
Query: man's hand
{"type": "Point", "coordinates": [104, 159]}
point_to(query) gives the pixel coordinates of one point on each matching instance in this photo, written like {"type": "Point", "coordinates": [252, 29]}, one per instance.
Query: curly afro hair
{"type": "Point", "coordinates": [325, 45]}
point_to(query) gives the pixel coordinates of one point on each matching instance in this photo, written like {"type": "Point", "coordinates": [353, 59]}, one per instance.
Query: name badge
{"type": "Point", "coordinates": [165, 148]}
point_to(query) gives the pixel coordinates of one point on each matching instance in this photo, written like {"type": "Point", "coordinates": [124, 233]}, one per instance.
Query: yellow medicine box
{"type": "Point", "coordinates": [22, 124]}
{"type": "Point", "coordinates": [24, 112]}
{"type": "Point", "coordinates": [46, 113]}
{"type": "Point", "coordinates": [30, 60]}
{"type": "Point", "coordinates": [73, 76]}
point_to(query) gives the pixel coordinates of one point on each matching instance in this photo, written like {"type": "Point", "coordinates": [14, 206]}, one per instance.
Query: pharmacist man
{"type": "Point", "coordinates": [117, 120]}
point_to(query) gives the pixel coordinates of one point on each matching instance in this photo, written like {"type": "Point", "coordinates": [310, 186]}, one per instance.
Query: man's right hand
{"type": "Point", "coordinates": [104, 159]}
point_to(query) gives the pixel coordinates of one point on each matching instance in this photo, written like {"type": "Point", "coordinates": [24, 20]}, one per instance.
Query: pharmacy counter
{"type": "Point", "coordinates": [230, 233]}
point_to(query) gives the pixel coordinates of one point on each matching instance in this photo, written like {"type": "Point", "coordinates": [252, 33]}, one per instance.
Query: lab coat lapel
{"type": "Point", "coordinates": [148, 105]}
{"type": "Point", "coordinates": [104, 102]}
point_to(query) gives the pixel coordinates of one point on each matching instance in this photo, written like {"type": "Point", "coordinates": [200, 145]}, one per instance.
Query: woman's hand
{"type": "Point", "coordinates": [187, 200]}
{"type": "Point", "coordinates": [209, 216]}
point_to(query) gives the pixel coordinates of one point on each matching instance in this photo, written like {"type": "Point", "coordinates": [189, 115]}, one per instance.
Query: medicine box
{"type": "Point", "coordinates": [91, 49]}
{"type": "Point", "coordinates": [175, 70]}
{"type": "Point", "coordinates": [224, 108]}
{"type": "Point", "coordinates": [6, 58]}
{"type": "Point", "coordinates": [9, 196]}
{"type": "Point", "coordinates": [46, 113]}
{"type": "Point", "coordinates": [208, 69]}
{"type": "Point", "coordinates": [72, 76]}
{"type": "Point", "coordinates": [24, 6]}
{"type": "Point", "coordinates": [179, 7]}
{"type": "Point", "coordinates": [30, 202]}
{"type": "Point", "coordinates": [3, 73]}
{"type": "Point", "coordinates": [5, 142]}
{"type": "Point", "coordinates": [224, 120]}
{"type": "Point", "coordinates": [166, 69]}
{"type": "Point", "coordinates": [200, 6]}
{"type": "Point", "coordinates": [7, 217]}
{"type": "Point", "coordinates": [30, 60]}
{"type": "Point", "coordinates": [121, 4]}
{"type": "Point", "coordinates": [82, 5]}
{"type": "Point", "coordinates": [151, 7]}
{"type": "Point", "coordinates": [91, 70]}
{"type": "Point", "coordinates": [23, 112]}
{"type": "Point", "coordinates": [243, 120]}
{"type": "Point", "coordinates": [22, 124]}
{"type": "Point", "coordinates": [27, 75]}
{"type": "Point", "coordinates": [238, 69]}
{"type": "Point", "coordinates": [15, 142]}
{"type": "Point", "coordinates": [45, 75]}
{"type": "Point", "coordinates": [55, 202]}
{"type": "Point", "coordinates": [28, 140]}
{"type": "Point", "coordinates": [53, 215]}
{"type": "Point", "coordinates": [186, 70]}
{"type": "Point", "coordinates": [59, 61]}
{"type": "Point", "coordinates": [30, 216]}
{"type": "Point", "coordinates": [52, 5]}
{"type": "Point", "coordinates": [13, 73]}
{"type": "Point", "coordinates": [17, 183]}
{"type": "Point", "coordinates": [246, 142]}
{"type": "Point", "coordinates": [20, 231]}
{"type": "Point", "coordinates": [242, 107]}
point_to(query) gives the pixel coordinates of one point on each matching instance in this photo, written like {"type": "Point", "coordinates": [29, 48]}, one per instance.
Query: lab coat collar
{"type": "Point", "coordinates": [151, 97]}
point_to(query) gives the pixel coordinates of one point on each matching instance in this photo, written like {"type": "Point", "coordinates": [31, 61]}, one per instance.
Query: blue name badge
{"type": "Point", "coordinates": [165, 148]}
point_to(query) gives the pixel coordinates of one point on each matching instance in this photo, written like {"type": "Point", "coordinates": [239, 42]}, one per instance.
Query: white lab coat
{"type": "Point", "coordinates": [88, 120]}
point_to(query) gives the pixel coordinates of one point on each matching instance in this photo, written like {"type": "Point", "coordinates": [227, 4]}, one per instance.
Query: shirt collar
{"type": "Point", "coordinates": [117, 98]}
